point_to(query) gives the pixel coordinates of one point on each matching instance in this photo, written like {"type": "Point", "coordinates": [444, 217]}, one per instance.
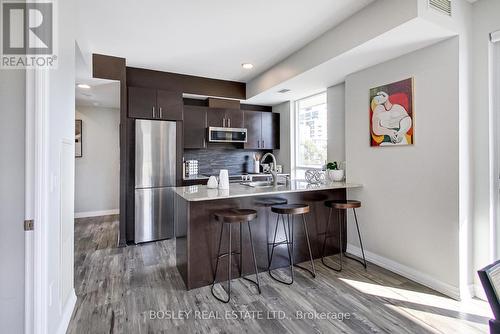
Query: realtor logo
{"type": "Point", "coordinates": [27, 34]}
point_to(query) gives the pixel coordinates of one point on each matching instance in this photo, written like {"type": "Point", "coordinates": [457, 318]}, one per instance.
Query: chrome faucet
{"type": "Point", "coordinates": [274, 174]}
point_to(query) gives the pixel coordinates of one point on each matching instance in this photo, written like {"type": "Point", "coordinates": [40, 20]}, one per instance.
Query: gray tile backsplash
{"type": "Point", "coordinates": [211, 161]}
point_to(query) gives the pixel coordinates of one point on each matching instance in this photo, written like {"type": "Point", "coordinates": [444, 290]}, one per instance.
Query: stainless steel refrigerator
{"type": "Point", "coordinates": [154, 176]}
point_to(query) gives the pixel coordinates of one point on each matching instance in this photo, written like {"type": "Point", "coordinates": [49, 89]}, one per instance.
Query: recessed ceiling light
{"type": "Point", "coordinates": [96, 103]}
{"type": "Point", "coordinates": [247, 66]}
{"type": "Point", "coordinates": [84, 86]}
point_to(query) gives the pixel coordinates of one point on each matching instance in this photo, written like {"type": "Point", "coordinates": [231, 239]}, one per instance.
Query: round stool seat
{"type": "Point", "coordinates": [290, 209]}
{"type": "Point", "coordinates": [270, 201]}
{"type": "Point", "coordinates": [236, 215]}
{"type": "Point", "coordinates": [343, 204]}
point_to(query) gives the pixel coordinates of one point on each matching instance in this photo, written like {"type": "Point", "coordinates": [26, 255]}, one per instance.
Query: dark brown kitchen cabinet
{"type": "Point", "coordinates": [169, 104]}
{"type": "Point", "coordinates": [253, 123]}
{"type": "Point", "coordinates": [150, 103]}
{"type": "Point", "coordinates": [263, 130]}
{"type": "Point", "coordinates": [225, 118]}
{"type": "Point", "coordinates": [195, 127]}
{"type": "Point", "coordinates": [216, 117]}
{"type": "Point", "coordinates": [141, 102]}
{"type": "Point", "coordinates": [270, 131]}
{"type": "Point", "coordinates": [234, 118]}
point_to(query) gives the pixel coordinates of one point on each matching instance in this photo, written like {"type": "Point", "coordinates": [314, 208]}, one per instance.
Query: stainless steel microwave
{"type": "Point", "coordinates": [227, 135]}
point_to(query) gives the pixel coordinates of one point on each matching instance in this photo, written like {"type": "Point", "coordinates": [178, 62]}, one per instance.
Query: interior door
{"type": "Point", "coordinates": [169, 104]}
{"type": "Point", "coordinates": [253, 124]}
{"type": "Point", "coordinates": [142, 103]}
{"type": "Point", "coordinates": [195, 127]}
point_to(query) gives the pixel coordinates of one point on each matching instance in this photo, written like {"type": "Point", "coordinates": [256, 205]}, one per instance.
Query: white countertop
{"type": "Point", "coordinates": [202, 193]}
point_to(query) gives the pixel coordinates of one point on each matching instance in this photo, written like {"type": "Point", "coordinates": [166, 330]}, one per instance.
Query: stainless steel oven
{"type": "Point", "coordinates": [227, 135]}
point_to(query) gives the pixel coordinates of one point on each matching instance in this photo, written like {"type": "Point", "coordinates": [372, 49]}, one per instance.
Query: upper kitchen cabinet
{"type": "Point", "coordinates": [149, 103]}
{"type": "Point", "coordinates": [195, 127]}
{"type": "Point", "coordinates": [253, 123]}
{"type": "Point", "coordinates": [216, 117]}
{"type": "Point", "coordinates": [141, 102]}
{"type": "Point", "coordinates": [263, 130]}
{"type": "Point", "coordinates": [170, 105]}
{"type": "Point", "coordinates": [270, 131]}
{"type": "Point", "coordinates": [225, 118]}
{"type": "Point", "coordinates": [234, 118]}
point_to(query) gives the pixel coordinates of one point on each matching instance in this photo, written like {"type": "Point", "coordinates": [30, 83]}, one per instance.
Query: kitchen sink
{"type": "Point", "coordinates": [261, 184]}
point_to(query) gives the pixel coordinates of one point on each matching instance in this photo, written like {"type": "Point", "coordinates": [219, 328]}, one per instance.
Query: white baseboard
{"type": "Point", "coordinates": [96, 213]}
{"type": "Point", "coordinates": [410, 273]}
{"type": "Point", "coordinates": [67, 312]}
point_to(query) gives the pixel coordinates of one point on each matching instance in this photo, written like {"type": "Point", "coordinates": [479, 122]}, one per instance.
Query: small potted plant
{"type": "Point", "coordinates": [334, 172]}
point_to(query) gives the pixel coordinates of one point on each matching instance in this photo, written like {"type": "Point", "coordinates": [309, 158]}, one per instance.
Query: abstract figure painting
{"type": "Point", "coordinates": [391, 114]}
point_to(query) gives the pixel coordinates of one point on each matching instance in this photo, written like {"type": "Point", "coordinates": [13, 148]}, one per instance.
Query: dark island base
{"type": "Point", "coordinates": [197, 234]}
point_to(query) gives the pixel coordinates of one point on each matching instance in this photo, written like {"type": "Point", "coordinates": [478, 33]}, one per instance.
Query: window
{"type": "Point", "coordinates": [310, 133]}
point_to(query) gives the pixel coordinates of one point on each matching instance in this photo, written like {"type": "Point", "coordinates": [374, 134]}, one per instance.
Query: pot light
{"type": "Point", "coordinates": [247, 66]}
{"type": "Point", "coordinates": [84, 86]}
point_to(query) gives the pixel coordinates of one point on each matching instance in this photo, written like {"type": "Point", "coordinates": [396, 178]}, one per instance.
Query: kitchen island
{"type": "Point", "coordinates": [197, 230]}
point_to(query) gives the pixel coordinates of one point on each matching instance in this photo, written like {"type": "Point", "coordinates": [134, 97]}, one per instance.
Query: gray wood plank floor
{"type": "Point", "coordinates": [135, 290]}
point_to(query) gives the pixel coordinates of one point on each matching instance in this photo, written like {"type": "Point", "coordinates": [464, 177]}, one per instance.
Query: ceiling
{"type": "Point", "coordinates": [200, 38]}
{"type": "Point", "coordinates": [102, 94]}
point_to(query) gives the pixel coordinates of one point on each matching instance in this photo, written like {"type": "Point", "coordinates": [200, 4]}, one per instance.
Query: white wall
{"type": "Point", "coordinates": [410, 214]}
{"type": "Point", "coordinates": [284, 154]}
{"type": "Point", "coordinates": [485, 20]}
{"type": "Point", "coordinates": [97, 173]}
{"type": "Point", "coordinates": [335, 99]}
{"type": "Point", "coordinates": [12, 166]}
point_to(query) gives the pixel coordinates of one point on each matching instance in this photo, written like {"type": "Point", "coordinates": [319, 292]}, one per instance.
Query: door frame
{"type": "Point", "coordinates": [36, 203]}
{"type": "Point", "coordinates": [494, 112]}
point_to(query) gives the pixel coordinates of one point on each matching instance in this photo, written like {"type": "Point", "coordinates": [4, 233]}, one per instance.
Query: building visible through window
{"type": "Point", "coordinates": [311, 133]}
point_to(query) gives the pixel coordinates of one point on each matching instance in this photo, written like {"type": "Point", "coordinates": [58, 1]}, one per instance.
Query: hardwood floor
{"type": "Point", "coordinates": [136, 289]}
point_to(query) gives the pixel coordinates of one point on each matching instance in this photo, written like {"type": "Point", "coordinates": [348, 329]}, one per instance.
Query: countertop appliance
{"type": "Point", "coordinates": [155, 156]}
{"type": "Point", "coordinates": [227, 135]}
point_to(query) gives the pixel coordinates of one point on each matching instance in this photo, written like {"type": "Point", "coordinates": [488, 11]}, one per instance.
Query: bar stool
{"type": "Point", "coordinates": [290, 210]}
{"type": "Point", "coordinates": [342, 206]}
{"type": "Point", "coordinates": [268, 202]}
{"type": "Point", "coordinates": [229, 217]}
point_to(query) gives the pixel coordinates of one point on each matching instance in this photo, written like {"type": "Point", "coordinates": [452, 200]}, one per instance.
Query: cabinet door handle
{"type": "Point", "coordinates": [154, 115]}
{"type": "Point", "coordinates": [229, 122]}
{"type": "Point", "coordinates": [161, 113]}
{"type": "Point", "coordinates": [263, 144]}
{"type": "Point", "coordinates": [258, 143]}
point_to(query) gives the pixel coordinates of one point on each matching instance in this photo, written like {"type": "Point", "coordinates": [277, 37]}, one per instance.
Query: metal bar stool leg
{"type": "Point", "coordinates": [287, 242]}
{"type": "Point", "coordinates": [360, 243]}
{"type": "Point", "coordinates": [341, 232]}
{"type": "Point", "coordinates": [270, 259]}
{"type": "Point", "coordinates": [254, 259]}
{"type": "Point", "coordinates": [217, 266]}
{"type": "Point", "coordinates": [240, 267]}
{"type": "Point", "coordinates": [326, 235]}
{"type": "Point", "coordinates": [313, 272]}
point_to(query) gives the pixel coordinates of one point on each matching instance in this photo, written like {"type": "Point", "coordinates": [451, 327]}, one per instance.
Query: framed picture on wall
{"type": "Point", "coordinates": [392, 114]}
{"type": "Point", "coordinates": [78, 138]}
